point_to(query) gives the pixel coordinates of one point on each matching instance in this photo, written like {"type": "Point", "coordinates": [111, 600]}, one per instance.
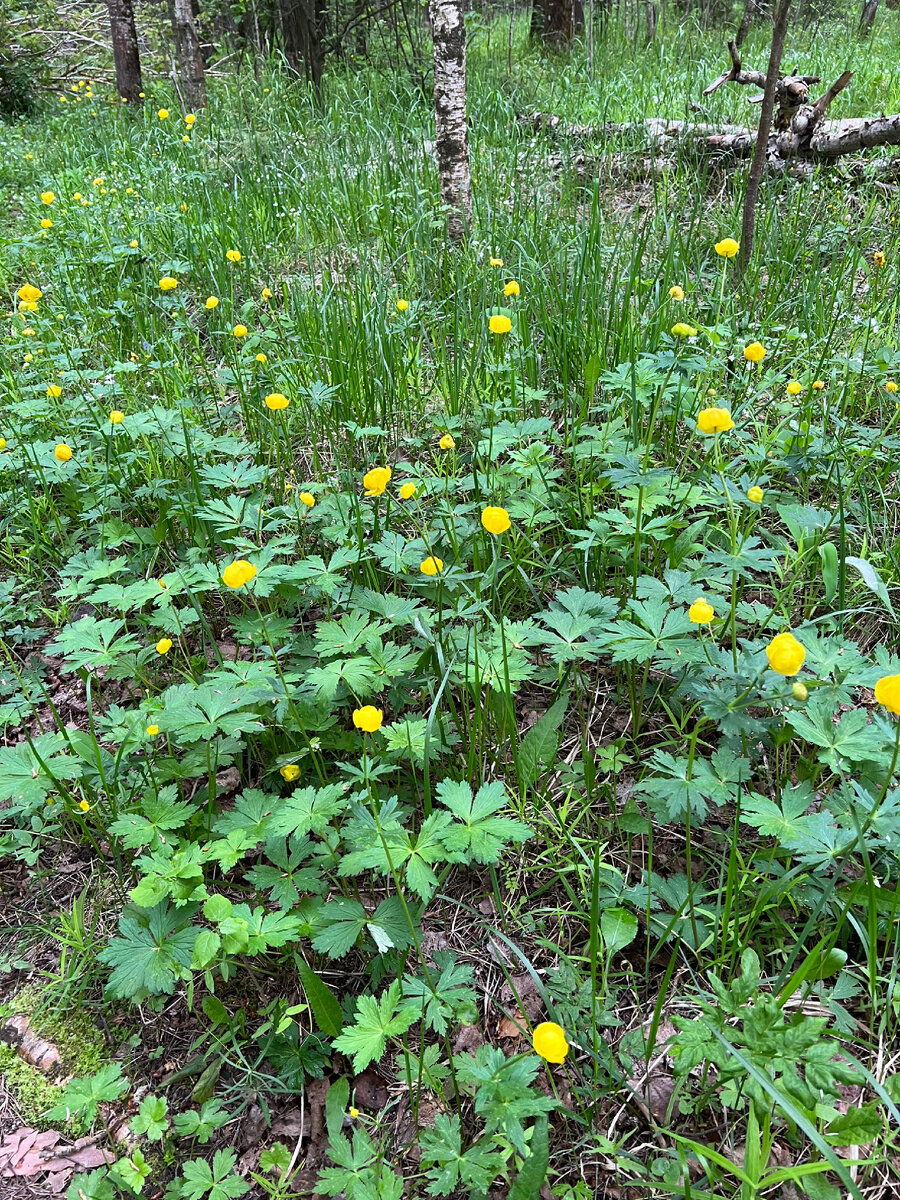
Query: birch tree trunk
{"type": "Point", "coordinates": [452, 141]}
{"type": "Point", "coordinates": [187, 50]}
{"type": "Point", "coordinates": [125, 50]}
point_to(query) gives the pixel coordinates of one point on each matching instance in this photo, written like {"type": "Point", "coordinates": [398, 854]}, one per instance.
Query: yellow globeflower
{"type": "Point", "coordinates": [407, 491]}
{"type": "Point", "coordinates": [62, 452]}
{"type": "Point", "coordinates": [29, 293]}
{"type": "Point", "coordinates": [432, 565]}
{"type": "Point", "coordinates": [308, 499]}
{"type": "Point", "coordinates": [164, 645]}
{"type": "Point", "coordinates": [46, 223]}
{"type": "Point", "coordinates": [818, 385]}
{"type": "Point", "coordinates": [262, 358]}
{"type": "Point", "coordinates": [890, 386]}
{"type": "Point", "coordinates": [682, 329]}
{"type": "Point", "coordinates": [133, 244]}
{"type": "Point", "coordinates": [511, 289]}
{"type": "Point", "coordinates": [240, 331]}
{"type": "Point", "coordinates": [237, 573]}
{"type": "Point", "coordinates": [755, 352]}
{"type": "Point", "coordinates": [878, 258]}
{"type": "Point", "coordinates": [163, 114]}
{"type": "Point", "coordinates": [276, 401]}
{"type": "Point", "coordinates": [84, 806]}
{"type": "Point", "coordinates": [233, 255]}
{"type": "Point", "coordinates": [728, 247]}
{"type": "Point", "coordinates": [402, 305]}
{"type": "Point", "coordinates": [701, 611]}
{"type": "Point", "coordinates": [152, 730]}
{"type": "Point", "coordinates": [190, 118]}
{"type": "Point", "coordinates": [289, 772]}
{"type": "Point", "coordinates": [676, 292]}
{"type": "Point", "coordinates": [212, 302]}
{"type": "Point", "coordinates": [794, 388]}
{"type": "Point", "coordinates": [116, 417]}
{"type": "Point", "coordinates": [168, 284]}
{"type": "Point", "coordinates": [714, 420]}
{"type": "Point", "coordinates": [755, 494]}
{"type": "Point", "coordinates": [447, 442]}
{"type": "Point", "coordinates": [368, 718]}
{"type": "Point", "coordinates": [887, 692]}
{"type": "Point", "coordinates": [550, 1042]}
{"type": "Point", "coordinates": [2, 443]}
{"type": "Point", "coordinates": [496, 262]}
{"type": "Point", "coordinates": [495, 520]}
{"type": "Point", "coordinates": [266, 293]}
{"type": "Point", "coordinates": [376, 480]}
{"type": "Point", "coordinates": [785, 654]}
{"type": "Point", "coordinates": [47, 197]}
{"type": "Point", "coordinates": [499, 324]}
{"type": "Point", "coordinates": [53, 389]}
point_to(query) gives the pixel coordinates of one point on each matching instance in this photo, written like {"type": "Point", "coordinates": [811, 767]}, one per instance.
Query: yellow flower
{"type": "Point", "coordinates": [701, 611]}
{"type": "Point", "coordinates": [240, 331]}
{"type": "Point", "coordinates": [499, 324]}
{"type": "Point", "coordinates": [818, 385]}
{"type": "Point", "coordinates": [237, 573]}
{"type": "Point", "coordinates": [407, 491]}
{"type": "Point", "coordinates": [432, 566]}
{"type": "Point", "coordinates": [728, 247]}
{"type": "Point", "coordinates": [182, 207]}
{"type": "Point", "coordinates": [62, 453]}
{"type": "Point", "coordinates": [495, 520]}
{"type": "Point", "coordinates": [785, 654]}
{"type": "Point", "coordinates": [116, 417]}
{"type": "Point", "coordinates": [84, 806]}
{"type": "Point", "coordinates": [212, 302]}
{"type": "Point", "coordinates": [133, 244]}
{"type": "Point", "coordinates": [29, 293]}
{"type": "Point", "coordinates": [794, 388]}
{"type": "Point", "coordinates": [755, 494]}
{"type": "Point", "coordinates": [800, 691]}
{"type": "Point", "coordinates": [368, 718]}
{"type": "Point", "coordinates": [99, 180]}
{"type": "Point", "coordinates": [47, 197]}
{"type": "Point", "coordinates": [168, 284]}
{"type": "Point", "coordinates": [189, 119]}
{"type": "Point", "coordinates": [683, 330]}
{"type": "Point", "coordinates": [54, 390]}
{"type": "Point", "coordinates": [878, 258]}
{"type": "Point", "coordinates": [447, 442]}
{"type": "Point", "coordinates": [46, 223]}
{"type": "Point", "coordinates": [164, 645]}
{"type": "Point", "coordinates": [308, 499]}
{"type": "Point", "coordinates": [755, 352]}
{"type": "Point", "coordinates": [496, 262]}
{"type": "Point", "coordinates": [890, 386]}
{"type": "Point", "coordinates": [354, 1113]}
{"type": "Point", "coordinates": [402, 305]}
{"type": "Point", "coordinates": [276, 401]}
{"type": "Point", "coordinates": [162, 583]}
{"type": "Point", "coordinates": [2, 443]}
{"type": "Point", "coordinates": [887, 692]}
{"type": "Point", "coordinates": [76, 195]}
{"type": "Point", "coordinates": [233, 255]}
{"type": "Point", "coordinates": [714, 420]}
{"type": "Point", "coordinates": [152, 730]}
{"type": "Point", "coordinates": [376, 480]}
{"type": "Point", "coordinates": [676, 292]}
{"type": "Point", "coordinates": [261, 358]}
{"type": "Point", "coordinates": [550, 1042]}
{"type": "Point", "coordinates": [289, 772]}
{"type": "Point", "coordinates": [511, 289]}
{"type": "Point", "coordinates": [163, 114]}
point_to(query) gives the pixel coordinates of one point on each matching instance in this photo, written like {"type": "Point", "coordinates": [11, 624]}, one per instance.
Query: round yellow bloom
{"type": "Point", "coordinates": [727, 248]}
{"type": "Point", "coordinates": [701, 611]}
{"type": "Point", "coordinates": [266, 293]}
{"type": "Point", "coordinates": [116, 417]}
{"type": "Point", "coordinates": [182, 207]}
{"type": "Point", "coordinates": [402, 305]}
{"type": "Point", "coordinates": [376, 480]}
{"type": "Point", "coordinates": [46, 223]}
{"type": "Point", "coordinates": [233, 255]}
{"type": "Point", "coordinates": [878, 258]}
{"type": "Point", "coordinates": [133, 244]}
{"type": "Point", "coordinates": [755, 494]}
{"type": "Point", "coordinates": [432, 565]}
{"type": "Point", "coordinates": [818, 385]}
{"type": "Point", "coordinates": [714, 420]}
{"type": "Point", "coordinates": [308, 499]}
{"type": "Point", "coordinates": [164, 645]}
{"type": "Point", "coordinates": [237, 573]}
{"type": "Point", "coordinates": [887, 692]}
{"type": "Point", "coordinates": [495, 520]}
{"type": "Point", "coordinates": [785, 654]}
{"type": "Point", "coordinates": [189, 119]}
{"type": "Point", "coordinates": [262, 358]}
{"type": "Point", "coordinates": [794, 388]}
{"type": "Point", "coordinates": [168, 284]}
{"type": "Point", "coordinates": [29, 293]}
{"type": "Point", "coordinates": [62, 452]}
{"type": "Point", "coordinates": [447, 442]}
{"type": "Point", "coordinates": [354, 1113]}
{"type": "Point", "coordinates": [800, 691]}
{"type": "Point", "coordinates": [2, 443]}
{"type": "Point", "coordinates": [676, 292]}
{"type": "Point", "coordinates": [152, 730]}
{"type": "Point", "coordinates": [289, 772]}
{"type": "Point", "coordinates": [276, 401]}
{"type": "Point", "coordinates": [890, 386]}
{"type": "Point", "coordinates": [53, 389]}
{"type": "Point", "coordinates": [163, 114]}
{"type": "Point", "coordinates": [550, 1042]}
{"type": "Point", "coordinates": [240, 331]}
{"type": "Point", "coordinates": [84, 806]}
{"type": "Point", "coordinates": [755, 352]}
{"type": "Point", "coordinates": [496, 262]}
{"type": "Point", "coordinates": [368, 718]}
{"type": "Point", "coordinates": [212, 302]}
{"type": "Point", "coordinates": [407, 491]}
{"type": "Point", "coordinates": [47, 197]}
{"type": "Point", "coordinates": [499, 324]}
{"type": "Point", "coordinates": [681, 329]}
{"type": "Point", "coordinates": [511, 289]}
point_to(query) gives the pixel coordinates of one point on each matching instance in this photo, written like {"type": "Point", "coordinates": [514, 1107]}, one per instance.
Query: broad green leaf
{"type": "Point", "coordinates": [326, 1007]}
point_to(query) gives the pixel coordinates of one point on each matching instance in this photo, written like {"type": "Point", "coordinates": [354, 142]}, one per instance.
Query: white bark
{"type": "Point", "coordinates": [452, 147]}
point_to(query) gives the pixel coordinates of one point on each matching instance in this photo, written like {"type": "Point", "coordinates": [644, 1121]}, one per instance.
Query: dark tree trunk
{"type": "Point", "coordinates": [303, 25]}
{"type": "Point", "coordinates": [187, 51]}
{"type": "Point", "coordinates": [125, 50]}
{"type": "Point", "coordinates": [556, 20]}
{"type": "Point", "coordinates": [867, 20]}
{"type": "Point", "coordinates": [743, 29]}
{"type": "Point", "coordinates": [452, 143]}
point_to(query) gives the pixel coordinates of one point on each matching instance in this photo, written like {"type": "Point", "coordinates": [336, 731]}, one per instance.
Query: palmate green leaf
{"type": "Point", "coordinates": [251, 813]}
{"type": "Point", "coordinates": [480, 834]}
{"type": "Point", "coordinates": [390, 847]}
{"type": "Point", "coordinates": [657, 633]}
{"type": "Point", "coordinates": [438, 999]}
{"type": "Point", "coordinates": [310, 810]}
{"type": "Point", "coordinates": [376, 1021]}
{"type": "Point", "coordinates": [93, 643]}
{"type": "Point", "coordinates": [286, 878]}
{"type": "Point", "coordinates": [151, 1119]}
{"type": "Point", "coordinates": [23, 780]}
{"type": "Point", "coordinates": [158, 816]}
{"type": "Point", "coordinates": [849, 740]}
{"type": "Point", "coordinates": [193, 714]}
{"type": "Point", "coordinates": [783, 821]}
{"type": "Point", "coordinates": [681, 784]}
{"type": "Point", "coordinates": [342, 921]}
{"type": "Point", "coordinates": [474, 1169]}
{"type": "Point", "coordinates": [83, 1096]}
{"type": "Point", "coordinates": [149, 953]}
{"type": "Point", "coordinates": [217, 1182]}
{"type": "Point", "coordinates": [358, 675]}
{"type": "Point", "coordinates": [348, 635]}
